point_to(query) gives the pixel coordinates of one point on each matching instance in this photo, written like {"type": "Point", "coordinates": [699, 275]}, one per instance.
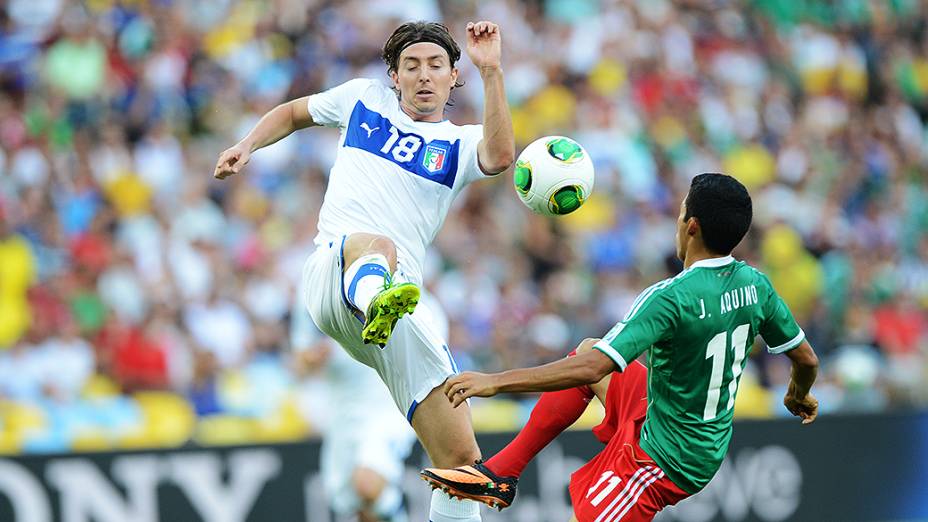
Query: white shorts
{"type": "Point", "coordinates": [414, 361]}
{"type": "Point", "coordinates": [348, 445]}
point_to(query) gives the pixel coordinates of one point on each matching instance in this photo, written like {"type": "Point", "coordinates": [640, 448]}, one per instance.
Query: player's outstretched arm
{"type": "Point", "coordinates": [497, 149]}
{"type": "Point", "coordinates": [799, 399]}
{"type": "Point", "coordinates": [277, 124]}
{"type": "Point", "coordinates": [586, 368]}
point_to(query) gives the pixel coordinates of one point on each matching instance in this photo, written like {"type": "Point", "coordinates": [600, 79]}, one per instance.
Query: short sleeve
{"type": "Point", "coordinates": [653, 318]}
{"type": "Point", "coordinates": [779, 329]}
{"type": "Point", "coordinates": [469, 168]}
{"type": "Point", "coordinates": [333, 107]}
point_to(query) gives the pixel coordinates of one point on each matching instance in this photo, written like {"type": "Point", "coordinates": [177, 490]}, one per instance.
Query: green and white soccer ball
{"type": "Point", "coordinates": [553, 176]}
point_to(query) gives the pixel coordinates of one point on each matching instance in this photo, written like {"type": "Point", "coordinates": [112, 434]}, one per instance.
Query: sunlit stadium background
{"type": "Point", "coordinates": [145, 305]}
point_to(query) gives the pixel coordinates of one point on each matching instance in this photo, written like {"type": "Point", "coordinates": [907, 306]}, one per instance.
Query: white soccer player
{"type": "Point", "coordinates": [398, 168]}
{"type": "Point", "coordinates": [362, 475]}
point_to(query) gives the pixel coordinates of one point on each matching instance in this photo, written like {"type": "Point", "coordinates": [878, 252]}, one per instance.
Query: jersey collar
{"type": "Point", "coordinates": [713, 262]}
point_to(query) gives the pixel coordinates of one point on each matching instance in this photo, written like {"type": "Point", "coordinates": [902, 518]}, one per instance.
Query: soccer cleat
{"type": "Point", "coordinates": [385, 310]}
{"type": "Point", "coordinates": [475, 482]}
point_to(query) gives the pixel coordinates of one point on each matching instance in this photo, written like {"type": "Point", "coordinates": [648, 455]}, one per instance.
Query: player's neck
{"type": "Point", "coordinates": [695, 254]}
{"type": "Point", "coordinates": [434, 117]}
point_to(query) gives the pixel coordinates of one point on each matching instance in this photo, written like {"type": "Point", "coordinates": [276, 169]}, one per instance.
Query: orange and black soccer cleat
{"type": "Point", "coordinates": [475, 482]}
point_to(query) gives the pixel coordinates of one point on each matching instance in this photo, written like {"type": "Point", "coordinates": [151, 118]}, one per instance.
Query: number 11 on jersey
{"type": "Point", "coordinates": [716, 350]}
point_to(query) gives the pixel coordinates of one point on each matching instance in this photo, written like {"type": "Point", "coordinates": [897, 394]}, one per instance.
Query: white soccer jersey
{"type": "Point", "coordinates": [392, 176]}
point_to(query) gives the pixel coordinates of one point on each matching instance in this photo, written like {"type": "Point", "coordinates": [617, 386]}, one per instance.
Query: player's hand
{"type": "Point", "coordinates": [805, 408]}
{"type": "Point", "coordinates": [484, 45]}
{"type": "Point", "coordinates": [470, 384]}
{"type": "Point", "coordinates": [232, 161]}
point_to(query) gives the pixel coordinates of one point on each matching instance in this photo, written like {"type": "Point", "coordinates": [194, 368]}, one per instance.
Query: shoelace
{"type": "Point", "coordinates": [387, 282]}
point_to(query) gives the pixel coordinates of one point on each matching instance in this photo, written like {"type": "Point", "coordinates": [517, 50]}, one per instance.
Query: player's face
{"type": "Point", "coordinates": [424, 77]}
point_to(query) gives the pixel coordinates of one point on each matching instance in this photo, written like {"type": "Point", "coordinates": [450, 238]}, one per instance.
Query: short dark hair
{"type": "Point", "coordinates": [416, 32]}
{"type": "Point", "coordinates": [723, 207]}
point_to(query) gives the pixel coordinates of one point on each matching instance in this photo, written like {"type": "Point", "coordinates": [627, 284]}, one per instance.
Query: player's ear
{"type": "Point", "coordinates": [454, 76]}
{"type": "Point", "coordinates": [396, 79]}
{"type": "Point", "coordinates": [692, 226]}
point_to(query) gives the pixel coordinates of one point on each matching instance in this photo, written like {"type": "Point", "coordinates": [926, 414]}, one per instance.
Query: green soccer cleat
{"type": "Point", "coordinates": [386, 309]}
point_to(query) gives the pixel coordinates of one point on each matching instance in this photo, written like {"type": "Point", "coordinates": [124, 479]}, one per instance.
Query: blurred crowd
{"type": "Point", "coordinates": [143, 302]}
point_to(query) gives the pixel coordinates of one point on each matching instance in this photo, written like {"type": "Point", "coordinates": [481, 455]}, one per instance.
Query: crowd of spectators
{"type": "Point", "coordinates": [143, 302]}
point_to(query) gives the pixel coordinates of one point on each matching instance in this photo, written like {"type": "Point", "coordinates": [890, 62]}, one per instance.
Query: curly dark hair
{"type": "Point", "coordinates": [416, 32]}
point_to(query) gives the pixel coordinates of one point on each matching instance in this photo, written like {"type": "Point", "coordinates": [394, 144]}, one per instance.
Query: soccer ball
{"type": "Point", "coordinates": [553, 176]}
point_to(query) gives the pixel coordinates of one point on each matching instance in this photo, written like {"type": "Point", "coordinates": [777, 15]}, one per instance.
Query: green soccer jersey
{"type": "Point", "coordinates": [698, 328]}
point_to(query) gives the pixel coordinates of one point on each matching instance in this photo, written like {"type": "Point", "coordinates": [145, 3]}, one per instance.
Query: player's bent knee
{"type": "Point", "coordinates": [383, 245]}
{"type": "Point", "coordinates": [361, 244]}
{"type": "Point", "coordinates": [368, 485]}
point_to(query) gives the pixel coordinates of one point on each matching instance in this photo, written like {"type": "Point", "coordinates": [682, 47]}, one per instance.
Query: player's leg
{"type": "Point", "coordinates": [376, 443]}
{"type": "Point", "coordinates": [625, 397]}
{"type": "Point", "coordinates": [413, 366]}
{"type": "Point", "coordinates": [448, 438]}
{"type": "Point", "coordinates": [445, 432]}
{"type": "Point", "coordinates": [361, 244]}
{"type": "Point", "coordinates": [385, 441]}
{"type": "Point", "coordinates": [379, 499]}
{"type": "Point", "coordinates": [371, 494]}
{"type": "Point", "coordinates": [494, 482]}
{"type": "Point", "coordinates": [368, 484]}
{"type": "Point", "coordinates": [554, 413]}
{"type": "Point", "coordinates": [369, 264]}
{"type": "Point", "coordinates": [601, 388]}
{"type": "Point", "coordinates": [622, 483]}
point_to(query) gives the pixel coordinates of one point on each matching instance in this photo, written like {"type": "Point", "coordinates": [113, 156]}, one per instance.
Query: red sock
{"type": "Point", "coordinates": [554, 413]}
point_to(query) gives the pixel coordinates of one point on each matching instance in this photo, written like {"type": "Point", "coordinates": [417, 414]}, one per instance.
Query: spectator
{"type": "Point", "coordinates": [221, 327]}
{"type": "Point", "coordinates": [17, 273]}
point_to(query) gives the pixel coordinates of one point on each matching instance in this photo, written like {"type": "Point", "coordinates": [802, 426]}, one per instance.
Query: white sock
{"type": "Point", "coordinates": [446, 509]}
{"type": "Point", "coordinates": [389, 505]}
{"type": "Point", "coordinates": [364, 279]}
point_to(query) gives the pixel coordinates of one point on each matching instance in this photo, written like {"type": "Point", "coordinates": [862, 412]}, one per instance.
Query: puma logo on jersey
{"type": "Point", "coordinates": [367, 127]}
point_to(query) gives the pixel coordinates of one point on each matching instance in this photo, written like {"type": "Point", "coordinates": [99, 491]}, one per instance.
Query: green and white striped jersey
{"type": "Point", "coordinates": [697, 328]}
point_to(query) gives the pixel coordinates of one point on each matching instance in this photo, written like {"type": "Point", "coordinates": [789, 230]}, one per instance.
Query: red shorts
{"type": "Point", "coordinates": [622, 482]}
